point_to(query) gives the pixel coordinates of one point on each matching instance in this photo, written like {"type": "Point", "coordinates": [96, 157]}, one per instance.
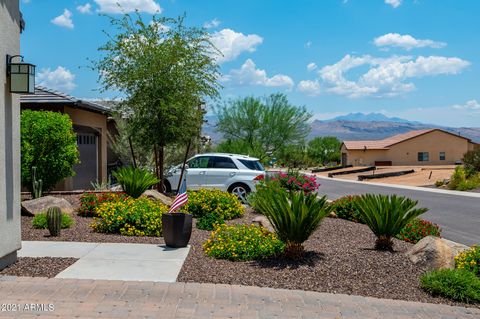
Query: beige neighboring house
{"type": "Point", "coordinates": [10, 27]}
{"type": "Point", "coordinates": [89, 123]}
{"type": "Point", "coordinates": [423, 147]}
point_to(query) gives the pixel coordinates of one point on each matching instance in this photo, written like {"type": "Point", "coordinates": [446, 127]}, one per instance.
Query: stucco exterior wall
{"type": "Point", "coordinates": [9, 138]}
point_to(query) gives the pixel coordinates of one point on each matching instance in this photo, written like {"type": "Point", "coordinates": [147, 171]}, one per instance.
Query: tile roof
{"type": "Point", "coordinates": [387, 142]}
{"type": "Point", "coordinates": [47, 96]}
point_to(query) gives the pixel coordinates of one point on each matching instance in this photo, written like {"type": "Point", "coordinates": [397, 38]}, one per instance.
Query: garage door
{"type": "Point", "coordinates": [87, 169]}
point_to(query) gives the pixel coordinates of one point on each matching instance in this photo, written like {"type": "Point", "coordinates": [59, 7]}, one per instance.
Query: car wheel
{"type": "Point", "coordinates": [167, 188]}
{"type": "Point", "coordinates": [240, 190]}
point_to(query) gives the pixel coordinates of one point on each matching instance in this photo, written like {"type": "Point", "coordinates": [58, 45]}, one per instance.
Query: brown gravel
{"type": "Point", "coordinates": [339, 259]}
{"type": "Point", "coordinates": [38, 267]}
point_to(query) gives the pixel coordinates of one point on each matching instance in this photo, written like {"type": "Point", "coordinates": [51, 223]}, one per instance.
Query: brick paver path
{"type": "Point", "coordinates": [73, 298]}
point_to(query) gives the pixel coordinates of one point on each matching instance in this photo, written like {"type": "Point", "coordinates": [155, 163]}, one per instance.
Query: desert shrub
{"type": "Point", "coordinates": [471, 160]}
{"type": "Point", "coordinates": [212, 201]}
{"type": "Point", "coordinates": [208, 221]}
{"type": "Point", "coordinates": [417, 229]}
{"type": "Point", "coordinates": [345, 208]}
{"type": "Point", "coordinates": [90, 201]}
{"type": "Point", "coordinates": [469, 260]}
{"type": "Point", "coordinates": [456, 284]}
{"type": "Point", "coordinates": [49, 144]}
{"type": "Point", "coordinates": [40, 221]}
{"type": "Point", "coordinates": [293, 215]}
{"type": "Point", "coordinates": [463, 180]}
{"type": "Point", "coordinates": [130, 217]}
{"type": "Point", "coordinates": [242, 242]}
{"type": "Point", "coordinates": [387, 216]}
{"type": "Point", "coordinates": [440, 183]}
{"type": "Point", "coordinates": [134, 181]}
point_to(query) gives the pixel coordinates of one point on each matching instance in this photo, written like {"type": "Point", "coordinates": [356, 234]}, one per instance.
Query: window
{"type": "Point", "coordinates": [423, 157]}
{"type": "Point", "coordinates": [199, 162]}
{"type": "Point", "coordinates": [222, 162]}
{"type": "Point", "coordinates": [442, 156]}
{"type": "Point", "coordinates": [253, 165]}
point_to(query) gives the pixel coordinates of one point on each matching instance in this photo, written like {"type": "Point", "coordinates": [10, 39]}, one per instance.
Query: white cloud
{"type": "Point", "coordinates": [231, 44]}
{"type": "Point", "coordinates": [60, 79]}
{"type": "Point", "coordinates": [311, 88]}
{"type": "Point", "coordinates": [126, 6]}
{"type": "Point", "coordinates": [394, 3]}
{"type": "Point", "coordinates": [308, 44]}
{"type": "Point", "coordinates": [311, 66]}
{"type": "Point", "coordinates": [248, 74]}
{"type": "Point", "coordinates": [64, 20]}
{"type": "Point", "coordinates": [86, 8]}
{"type": "Point", "coordinates": [406, 42]}
{"type": "Point", "coordinates": [470, 105]}
{"type": "Point", "coordinates": [386, 76]}
{"type": "Point", "coordinates": [212, 24]}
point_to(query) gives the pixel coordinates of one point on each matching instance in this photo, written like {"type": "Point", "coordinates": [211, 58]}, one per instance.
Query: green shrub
{"type": "Point", "coordinates": [90, 201]}
{"type": "Point", "coordinates": [387, 216]}
{"type": "Point", "coordinates": [208, 221]}
{"type": "Point", "coordinates": [49, 144]}
{"type": "Point", "coordinates": [440, 183]}
{"type": "Point", "coordinates": [212, 201]}
{"type": "Point", "coordinates": [464, 180]}
{"type": "Point", "coordinates": [471, 159]}
{"type": "Point", "coordinates": [134, 181]}
{"type": "Point", "coordinates": [457, 284]}
{"type": "Point", "coordinates": [242, 242]}
{"type": "Point", "coordinates": [293, 215]}
{"type": "Point", "coordinates": [417, 229]}
{"type": "Point", "coordinates": [40, 221]}
{"type": "Point", "coordinates": [130, 217]}
{"type": "Point", "coordinates": [345, 208]}
{"type": "Point", "coordinates": [469, 260]}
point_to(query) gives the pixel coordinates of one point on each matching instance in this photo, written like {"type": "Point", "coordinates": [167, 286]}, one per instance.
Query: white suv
{"type": "Point", "coordinates": [236, 174]}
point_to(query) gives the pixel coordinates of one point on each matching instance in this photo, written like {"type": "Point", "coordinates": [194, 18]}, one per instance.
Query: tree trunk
{"type": "Point", "coordinates": [183, 166]}
{"type": "Point", "coordinates": [157, 170]}
{"type": "Point", "coordinates": [294, 250]}
{"type": "Point", "coordinates": [161, 158]}
{"type": "Point", "coordinates": [384, 243]}
{"type": "Point", "coordinates": [133, 153]}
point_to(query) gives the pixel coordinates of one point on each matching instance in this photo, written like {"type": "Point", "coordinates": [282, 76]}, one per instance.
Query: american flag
{"type": "Point", "coordinates": [182, 197]}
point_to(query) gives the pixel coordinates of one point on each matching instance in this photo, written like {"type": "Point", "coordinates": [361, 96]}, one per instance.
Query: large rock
{"type": "Point", "coordinates": [435, 253]}
{"type": "Point", "coordinates": [264, 222]}
{"type": "Point", "coordinates": [40, 205]}
{"type": "Point", "coordinates": [155, 195]}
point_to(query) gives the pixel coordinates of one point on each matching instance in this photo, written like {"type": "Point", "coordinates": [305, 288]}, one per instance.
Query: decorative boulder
{"type": "Point", "coordinates": [42, 204]}
{"type": "Point", "coordinates": [435, 253]}
{"type": "Point", "coordinates": [155, 195]}
{"type": "Point", "coordinates": [264, 222]}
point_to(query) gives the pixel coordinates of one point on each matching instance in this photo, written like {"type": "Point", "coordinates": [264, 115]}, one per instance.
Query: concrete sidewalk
{"type": "Point", "coordinates": [68, 298]}
{"type": "Point", "coordinates": [112, 261]}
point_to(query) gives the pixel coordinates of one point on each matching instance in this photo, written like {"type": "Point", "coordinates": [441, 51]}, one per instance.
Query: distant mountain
{"type": "Point", "coordinates": [369, 117]}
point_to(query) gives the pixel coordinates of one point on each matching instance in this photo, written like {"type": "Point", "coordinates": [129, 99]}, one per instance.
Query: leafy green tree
{"type": "Point", "coordinates": [322, 150]}
{"type": "Point", "coordinates": [293, 155]}
{"type": "Point", "coordinates": [471, 160]}
{"type": "Point", "coordinates": [263, 125]}
{"type": "Point", "coordinates": [49, 144]}
{"type": "Point", "coordinates": [165, 70]}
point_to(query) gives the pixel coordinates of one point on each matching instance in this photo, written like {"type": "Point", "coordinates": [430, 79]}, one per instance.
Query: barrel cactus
{"type": "Point", "coordinates": [54, 220]}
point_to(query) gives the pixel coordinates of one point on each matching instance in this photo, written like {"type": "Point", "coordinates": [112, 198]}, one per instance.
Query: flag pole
{"type": "Point", "coordinates": [183, 166]}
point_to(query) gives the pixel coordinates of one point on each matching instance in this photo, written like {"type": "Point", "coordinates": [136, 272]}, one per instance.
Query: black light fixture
{"type": "Point", "coordinates": [22, 75]}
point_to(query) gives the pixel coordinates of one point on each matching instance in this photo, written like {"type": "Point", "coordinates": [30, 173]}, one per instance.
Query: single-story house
{"type": "Point", "coordinates": [422, 147]}
{"type": "Point", "coordinates": [89, 123]}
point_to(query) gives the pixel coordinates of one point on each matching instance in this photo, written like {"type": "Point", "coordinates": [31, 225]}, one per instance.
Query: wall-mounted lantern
{"type": "Point", "coordinates": [22, 75]}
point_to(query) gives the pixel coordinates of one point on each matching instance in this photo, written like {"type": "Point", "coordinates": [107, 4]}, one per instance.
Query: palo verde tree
{"type": "Point", "coordinates": [262, 125]}
{"type": "Point", "coordinates": [322, 150]}
{"type": "Point", "coordinates": [165, 70]}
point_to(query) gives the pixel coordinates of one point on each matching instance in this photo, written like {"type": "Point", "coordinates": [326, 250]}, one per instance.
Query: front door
{"type": "Point", "coordinates": [344, 159]}
{"type": "Point", "coordinates": [87, 170]}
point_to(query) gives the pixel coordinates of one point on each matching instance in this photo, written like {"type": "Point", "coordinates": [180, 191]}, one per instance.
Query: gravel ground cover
{"type": "Point", "coordinates": [38, 267]}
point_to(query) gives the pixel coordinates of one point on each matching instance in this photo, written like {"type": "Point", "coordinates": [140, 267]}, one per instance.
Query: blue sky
{"type": "Point", "coordinates": [416, 59]}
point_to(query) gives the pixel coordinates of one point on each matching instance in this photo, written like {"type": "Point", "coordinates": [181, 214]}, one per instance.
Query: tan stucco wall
{"type": "Point", "coordinates": [406, 153]}
{"type": "Point", "coordinates": [9, 137]}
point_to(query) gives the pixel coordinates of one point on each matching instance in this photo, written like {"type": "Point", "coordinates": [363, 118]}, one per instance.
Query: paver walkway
{"type": "Point", "coordinates": [71, 298]}
{"type": "Point", "coordinates": [112, 261]}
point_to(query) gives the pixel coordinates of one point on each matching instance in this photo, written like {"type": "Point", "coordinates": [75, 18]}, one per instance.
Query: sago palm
{"type": "Point", "coordinates": [294, 216]}
{"type": "Point", "coordinates": [134, 181]}
{"type": "Point", "coordinates": [387, 216]}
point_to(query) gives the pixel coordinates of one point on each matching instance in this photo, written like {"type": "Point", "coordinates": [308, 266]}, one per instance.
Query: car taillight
{"type": "Point", "coordinates": [259, 178]}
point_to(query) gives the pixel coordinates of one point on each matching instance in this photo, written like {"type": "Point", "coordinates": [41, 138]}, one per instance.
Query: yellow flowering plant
{"type": "Point", "coordinates": [242, 243]}
{"type": "Point", "coordinates": [130, 217]}
{"type": "Point", "coordinates": [469, 260]}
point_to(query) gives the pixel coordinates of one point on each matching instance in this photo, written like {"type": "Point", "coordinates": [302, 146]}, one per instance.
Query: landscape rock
{"type": "Point", "coordinates": [435, 253]}
{"type": "Point", "coordinates": [155, 195]}
{"type": "Point", "coordinates": [40, 205]}
{"type": "Point", "coordinates": [264, 222]}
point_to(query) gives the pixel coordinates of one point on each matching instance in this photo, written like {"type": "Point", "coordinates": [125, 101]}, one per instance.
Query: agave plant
{"type": "Point", "coordinates": [387, 216]}
{"type": "Point", "coordinates": [134, 181]}
{"type": "Point", "coordinates": [293, 215]}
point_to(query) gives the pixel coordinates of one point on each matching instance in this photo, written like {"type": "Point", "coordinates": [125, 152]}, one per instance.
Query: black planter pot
{"type": "Point", "coordinates": [177, 229]}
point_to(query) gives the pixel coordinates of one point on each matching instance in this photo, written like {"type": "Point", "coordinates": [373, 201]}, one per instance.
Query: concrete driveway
{"type": "Point", "coordinates": [458, 213]}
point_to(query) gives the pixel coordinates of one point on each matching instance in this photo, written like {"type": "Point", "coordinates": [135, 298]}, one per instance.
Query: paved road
{"type": "Point", "coordinates": [459, 216]}
{"type": "Point", "coordinates": [68, 298]}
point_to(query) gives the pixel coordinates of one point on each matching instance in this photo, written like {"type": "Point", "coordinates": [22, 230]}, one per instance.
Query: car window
{"type": "Point", "coordinates": [199, 162]}
{"type": "Point", "coordinates": [253, 165]}
{"type": "Point", "coordinates": [222, 162]}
